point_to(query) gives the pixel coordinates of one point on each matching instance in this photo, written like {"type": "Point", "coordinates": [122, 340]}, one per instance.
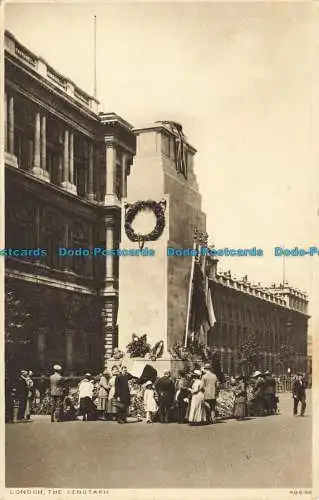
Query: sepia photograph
{"type": "Point", "coordinates": [160, 247]}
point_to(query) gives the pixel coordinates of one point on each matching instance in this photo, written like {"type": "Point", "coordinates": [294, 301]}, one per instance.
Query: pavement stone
{"type": "Point", "coordinates": [264, 452]}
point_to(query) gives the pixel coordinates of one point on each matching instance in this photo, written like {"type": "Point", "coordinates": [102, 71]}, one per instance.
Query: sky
{"type": "Point", "coordinates": [240, 79]}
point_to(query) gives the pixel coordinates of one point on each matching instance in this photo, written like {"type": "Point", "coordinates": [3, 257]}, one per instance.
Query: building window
{"type": "Point", "coordinates": [19, 235]}
{"type": "Point", "coordinates": [50, 241]}
{"type": "Point", "coordinates": [80, 178]}
{"type": "Point", "coordinates": [79, 264]}
{"type": "Point", "coordinates": [53, 161]}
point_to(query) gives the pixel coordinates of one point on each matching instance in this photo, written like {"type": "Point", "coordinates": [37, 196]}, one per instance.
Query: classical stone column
{"type": "Point", "coordinates": [109, 267]}
{"type": "Point", "coordinates": [109, 327]}
{"type": "Point", "coordinates": [90, 190]}
{"type": "Point", "coordinates": [36, 170]}
{"type": "Point", "coordinates": [41, 348]}
{"type": "Point", "coordinates": [71, 158]}
{"type": "Point", "coordinates": [43, 143]}
{"type": "Point", "coordinates": [97, 172]}
{"type": "Point", "coordinates": [65, 167]}
{"type": "Point", "coordinates": [43, 147]}
{"type": "Point", "coordinates": [124, 184]}
{"type": "Point", "coordinates": [10, 158]}
{"type": "Point", "coordinates": [69, 350]}
{"type": "Point", "coordinates": [265, 360]}
{"type": "Point", "coordinates": [222, 358]}
{"type": "Point", "coordinates": [11, 125]}
{"type": "Point", "coordinates": [73, 188]}
{"type": "Point", "coordinates": [229, 360]}
{"type": "Point", "coordinates": [60, 161]}
{"type": "Point", "coordinates": [110, 196]}
{"type": "Point", "coordinates": [110, 293]}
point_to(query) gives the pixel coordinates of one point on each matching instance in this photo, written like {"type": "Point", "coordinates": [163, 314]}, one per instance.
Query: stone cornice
{"type": "Point", "coordinates": [38, 65]}
{"type": "Point", "coordinates": [161, 128]}
{"type": "Point", "coordinates": [48, 192]}
{"type": "Point", "coordinates": [112, 140]}
{"type": "Point", "coordinates": [47, 281]}
{"type": "Point", "coordinates": [49, 108]}
{"type": "Point", "coordinates": [255, 293]}
{"type": "Point", "coordinates": [113, 118]}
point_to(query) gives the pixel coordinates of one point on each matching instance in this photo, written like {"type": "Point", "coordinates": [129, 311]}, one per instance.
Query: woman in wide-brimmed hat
{"type": "Point", "coordinates": [197, 413]}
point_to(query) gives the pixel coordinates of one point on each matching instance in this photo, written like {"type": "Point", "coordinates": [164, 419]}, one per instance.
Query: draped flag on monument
{"type": "Point", "coordinates": [180, 146]}
{"type": "Point", "coordinates": [202, 311]}
{"type": "Point", "coordinates": [180, 149]}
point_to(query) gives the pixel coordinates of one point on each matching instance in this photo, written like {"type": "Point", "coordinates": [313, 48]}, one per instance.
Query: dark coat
{"type": "Point", "coordinates": [122, 390]}
{"type": "Point", "coordinates": [166, 389]}
{"type": "Point", "coordinates": [270, 385]}
{"type": "Point", "coordinates": [299, 389]}
{"type": "Point", "coordinates": [22, 388]}
{"type": "Point", "coordinates": [259, 387]}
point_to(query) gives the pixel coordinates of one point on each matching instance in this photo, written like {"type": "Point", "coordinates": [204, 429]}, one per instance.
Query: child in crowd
{"type": "Point", "coordinates": [149, 402]}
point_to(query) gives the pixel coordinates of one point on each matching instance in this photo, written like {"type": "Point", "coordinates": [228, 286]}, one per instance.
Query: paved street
{"type": "Point", "coordinates": [269, 452]}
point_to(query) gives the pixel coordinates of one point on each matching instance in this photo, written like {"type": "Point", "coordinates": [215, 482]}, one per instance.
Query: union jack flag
{"type": "Point", "coordinates": [180, 146]}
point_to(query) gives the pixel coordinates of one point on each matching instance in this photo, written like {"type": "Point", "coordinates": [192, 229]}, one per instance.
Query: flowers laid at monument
{"type": "Point", "coordinates": [138, 347]}
{"type": "Point", "coordinates": [117, 354]}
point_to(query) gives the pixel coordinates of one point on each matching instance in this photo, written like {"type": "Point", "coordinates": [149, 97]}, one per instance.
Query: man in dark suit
{"type": "Point", "coordinates": [122, 394]}
{"type": "Point", "coordinates": [270, 393]}
{"type": "Point", "coordinates": [56, 392]}
{"type": "Point", "coordinates": [166, 390]}
{"type": "Point", "coordinates": [299, 394]}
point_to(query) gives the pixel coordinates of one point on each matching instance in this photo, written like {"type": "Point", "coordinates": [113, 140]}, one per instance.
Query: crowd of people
{"type": "Point", "coordinates": [190, 398]}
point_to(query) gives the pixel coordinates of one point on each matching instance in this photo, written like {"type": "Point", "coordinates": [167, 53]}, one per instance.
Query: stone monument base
{"type": "Point", "coordinates": [135, 366]}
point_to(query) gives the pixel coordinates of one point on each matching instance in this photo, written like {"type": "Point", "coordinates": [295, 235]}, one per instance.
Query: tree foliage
{"type": "Point", "coordinates": [286, 356]}
{"type": "Point", "coordinates": [18, 329]}
{"type": "Point", "coordinates": [249, 354]}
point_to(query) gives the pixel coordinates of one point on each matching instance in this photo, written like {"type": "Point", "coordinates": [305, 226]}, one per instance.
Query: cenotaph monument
{"type": "Point", "coordinates": [161, 211]}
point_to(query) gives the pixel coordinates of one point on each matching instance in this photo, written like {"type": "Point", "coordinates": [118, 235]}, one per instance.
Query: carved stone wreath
{"type": "Point", "coordinates": [131, 211]}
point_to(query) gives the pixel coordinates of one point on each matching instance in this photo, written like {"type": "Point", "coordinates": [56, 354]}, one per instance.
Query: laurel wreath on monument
{"type": "Point", "coordinates": [131, 211]}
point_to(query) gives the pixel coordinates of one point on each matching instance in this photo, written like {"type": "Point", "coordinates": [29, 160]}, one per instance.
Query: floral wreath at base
{"type": "Point", "coordinates": [157, 350]}
{"type": "Point", "coordinates": [131, 211]}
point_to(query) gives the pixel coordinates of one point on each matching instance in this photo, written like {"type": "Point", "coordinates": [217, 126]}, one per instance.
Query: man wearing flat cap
{"type": "Point", "coordinates": [56, 393]}
{"type": "Point", "coordinates": [210, 382]}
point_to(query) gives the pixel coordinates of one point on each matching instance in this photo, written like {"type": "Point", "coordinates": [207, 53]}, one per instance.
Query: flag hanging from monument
{"type": "Point", "coordinates": [202, 311]}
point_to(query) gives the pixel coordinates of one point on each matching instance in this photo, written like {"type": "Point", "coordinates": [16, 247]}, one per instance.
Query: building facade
{"type": "Point", "coordinates": [66, 170]}
{"type": "Point", "coordinates": [276, 316]}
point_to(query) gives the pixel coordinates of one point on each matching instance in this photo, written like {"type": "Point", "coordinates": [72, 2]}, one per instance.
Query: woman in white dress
{"type": "Point", "coordinates": [111, 408]}
{"type": "Point", "coordinates": [197, 413]}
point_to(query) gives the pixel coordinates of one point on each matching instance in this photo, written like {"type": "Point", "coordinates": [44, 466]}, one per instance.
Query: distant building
{"type": "Point", "coordinates": [66, 170]}
{"type": "Point", "coordinates": [277, 316]}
